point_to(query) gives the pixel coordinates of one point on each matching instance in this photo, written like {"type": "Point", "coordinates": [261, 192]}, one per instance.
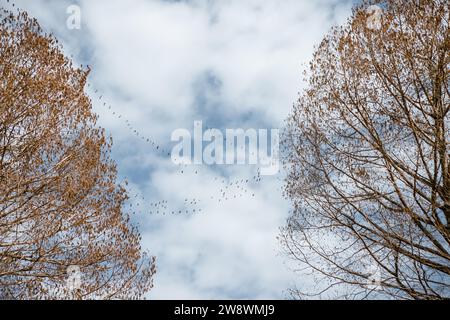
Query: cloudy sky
{"type": "Point", "coordinates": [160, 65]}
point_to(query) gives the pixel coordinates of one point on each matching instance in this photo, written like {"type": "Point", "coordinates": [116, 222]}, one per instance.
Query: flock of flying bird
{"type": "Point", "coordinates": [227, 189]}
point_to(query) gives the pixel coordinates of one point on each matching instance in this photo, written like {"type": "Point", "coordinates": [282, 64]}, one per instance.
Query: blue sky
{"type": "Point", "coordinates": [160, 65]}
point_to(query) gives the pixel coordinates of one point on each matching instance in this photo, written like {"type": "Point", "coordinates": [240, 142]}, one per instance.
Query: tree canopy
{"type": "Point", "coordinates": [367, 150]}
{"type": "Point", "coordinates": [61, 208]}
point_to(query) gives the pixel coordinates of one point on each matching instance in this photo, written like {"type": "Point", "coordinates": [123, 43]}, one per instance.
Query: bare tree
{"type": "Point", "coordinates": [61, 209]}
{"type": "Point", "coordinates": [367, 153]}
